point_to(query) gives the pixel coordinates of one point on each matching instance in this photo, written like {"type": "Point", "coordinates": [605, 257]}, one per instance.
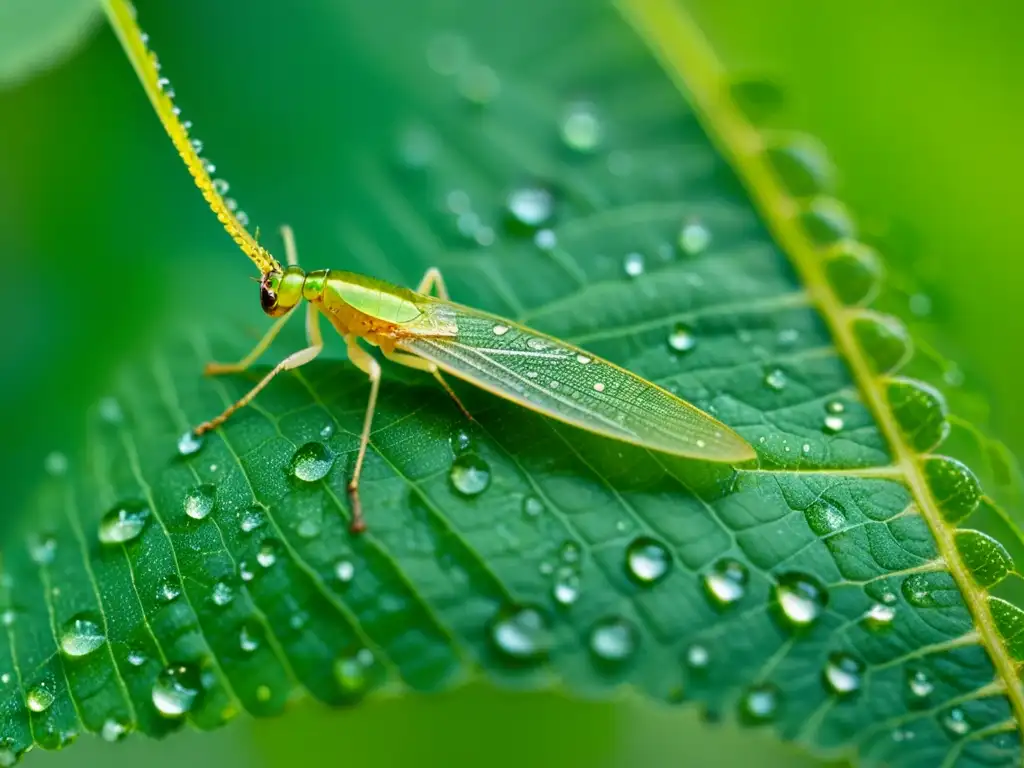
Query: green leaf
{"type": "Point", "coordinates": [826, 594]}
{"type": "Point", "coordinates": [35, 34]}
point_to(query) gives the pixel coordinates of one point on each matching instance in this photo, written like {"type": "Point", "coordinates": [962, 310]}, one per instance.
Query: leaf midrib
{"type": "Point", "coordinates": [678, 45]}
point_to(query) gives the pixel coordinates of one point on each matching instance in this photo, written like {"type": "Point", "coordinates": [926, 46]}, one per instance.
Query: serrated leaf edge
{"type": "Point", "coordinates": [678, 44]}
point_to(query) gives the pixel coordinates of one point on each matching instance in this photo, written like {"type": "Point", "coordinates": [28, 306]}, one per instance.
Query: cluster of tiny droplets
{"type": "Point", "coordinates": [220, 186]}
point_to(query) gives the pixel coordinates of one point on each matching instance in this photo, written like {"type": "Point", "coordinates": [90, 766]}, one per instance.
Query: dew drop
{"type": "Point", "coordinates": [189, 444]}
{"type": "Point", "coordinates": [776, 379]}
{"type": "Point", "coordinates": [917, 590]}
{"type": "Point", "coordinates": [136, 658]}
{"type": "Point", "coordinates": [169, 589]}
{"type": "Point", "coordinates": [55, 464]}
{"type": "Point", "coordinates": [220, 186]}
{"type": "Point", "coordinates": [801, 599]}
{"type": "Point", "coordinates": [81, 636]}
{"type": "Point", "coordinates": [681, 338]}
{"type": "Point", "coordinates": [648, 561]}
{"type": "Point", "coordinates": [532, 506]}
{"type": "Point", "coordinates": [545, 239]}
{"type": "Point", "coordinates": [521, 633]}
{"type": "Point", "coordinates": [598, 387]}
{"type": "Point", "coordinates": [199, 501]}
{"type": "Point", "coordinates": [267, 554]}
{"type": "Point", "coordinates": [222, 594]}
{"type": "Point", "coordinates": [581, 128]}
{"type": "Point", "coordinates": [566, 588]}
{"type": "Point", "coordinates": [113, 731]}
{"type": "Point", "coordinates": [249, 638]}
{"type": "Point", "coordinates": [843, 674]}
{"type": "Point", "coordinates": [569, 552]}
{"type": "Point", "coordinates": [176, 689]}
{"type": "Point", "coordinates": [613, 640]}
{"type": "Point", "coordinates": [243, 218]}
{"type": "Point", "coordinates": [8, 617]}
{"type": "Point", "coordinates": [42, 549]}
{"type": "Point", "coordinates": [308, 528]}
{"type": "Point", "coordinates": [633, 264]}
{"type": "Point", "coordinates": [110, 410]}
{"type": "Point", "coordinates": [919, 683]}
{"type": "Point", "coordinates": [460, 440]}
{"type": "Point", "coordinates": [345, 570]}
{"type": "Point", "coordinates": [802, 165]}
{"type": "Point", "coordinates": [833, 424]}
{"type": "Point", "coordinates": [697, 657]}
{"type": "Point", "coordinates": [352, 674]}
{"type": "Point", "coordinates": [694, 238]}
{"type": "Point", "coordinates": [124, 522]}
{"type": "Point", "coordinates": [954, 721]}
{"type": "Point", "coordinates": [759, 704]}
{"type": "Point", "coordinates": [470, 475]}
{"type": "Point", "coordinates": [879, 617]}
{"type": "Point", "coordinates": [531, 206]}
{"type": "Point", "coordinates": [311, 462]}
{"type": "Point", "coordinates": [726, 582]}
{"type": "Point", "coordinates": [583, 359]}
{"type": "Point", "coordinates": [39, 697]}
{"type": "Point", "coordinates": [824, 518]}
{"type": "Point", "coordinates": [252, 518]}
{"type": "Point", "coordinates": [854, 271]}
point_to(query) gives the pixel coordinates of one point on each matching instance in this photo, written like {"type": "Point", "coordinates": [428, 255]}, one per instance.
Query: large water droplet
{"type": "Point", "coordinates": [532, 507]}
{"type": "Point", "coordinates": [726, 582]}
{"type": "Point", "coordinates": [681, 338]}
{"type": "Point", "coordinates": [353, 674]}
{"type": "Point", "coordinates": [470, 475]}
{"type": "Point", "coordinates": [832, 424]}
{"type": "Point", "coordinates": [566, 588]}
{"type": "Point", "coordinates": [697, 657]}
{"type": "Point", "coordinates": [613, 640]}
{"type": "Point", "coordinates": [40, 697]}
{"type": "Point", "coordinates": [879, 617]}
{"type": "Point", "coordinates": [954, 721]}
{"type": "Point", "coordinates": [312, 462]}
{"type": "Point", "coordinates": [801, 599]}
{"type": "Point", "coordinates": [694, 238]}
{"type": "Point", "coordinates": [266, 556]}
{"type": "Point", "coordinates": [252, 518]}
{"type": "Point", "coordinates": [345, 570]}
{"type": "Point", "coordinates": [531, 206]}
{"type": "Point", "coordinates": [222, 594]}
{"type": "Point", "coordinates": [581, 128]}
{"type": "Point", "coordinates": [843, 674]}
{"type": "Point", "coordinates": [189, 444]}
{"type": "Point", "coordinates": [802, 165]}
{"type": "Point", "coordinates": [633, 264]}
{"type": "Point", "coordinates": [827, 220]}
{"type": "Point", "coordinates": [176, 689]}
{"type": "Point", "coordinates": [81, 636]}
{"type": "Point", "coordinates": [521, 633]}
{"type": "Point", "coordinates": [648, 561]}
{"type": "Point", "coordinates": [759, 704]}
{"type": "Point", "coordinates": [919, 683]}
{"type": "Point", "coordinates": [199, 501]}
{"type": "Point", "coordinates": [776, 379]}
{"type": "Point", "coordinates": [824, 518]}
{"type": "Point", "coordinates": [113, 731]}
{"type": "Point", "coordinates": [124, 522]}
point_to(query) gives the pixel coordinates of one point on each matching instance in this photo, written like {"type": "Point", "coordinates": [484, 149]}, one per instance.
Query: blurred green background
{"type": "Point", "coordinates": [918, 102]}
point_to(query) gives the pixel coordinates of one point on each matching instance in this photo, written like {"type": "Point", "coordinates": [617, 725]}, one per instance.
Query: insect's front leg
{"type": "Point", "coordinates": [218, 369]}
{"type": "Point", "coordinates": [432, 280]}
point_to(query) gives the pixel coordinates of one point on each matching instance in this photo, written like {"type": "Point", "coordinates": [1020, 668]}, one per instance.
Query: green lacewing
{"type": "Point", "coordinates": [423, 329]}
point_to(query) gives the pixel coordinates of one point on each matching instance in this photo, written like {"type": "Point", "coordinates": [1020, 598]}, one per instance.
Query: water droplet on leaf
{"type": "Point", "coordinates": [566, 588]}
{"type": "Point", "coordinates": [176, 689]}
{"type": "Point", "coordinates": [521, 633]}
{"type": "Point", "coordinates": [199, 501]}
{"type": "Point", "coordinates": [470, 475]}
{"type": "Point", "coordinates": [39, 697]}
{"type": "Point", "coordinates": [648, 561]}
{"type": "Point", "coordinates": [633, 264]}
{"type": "Point", "coordinates": [311, 462]}
{"type": "Point", "coordinates": [759, 704]}
{"type": "Point", "coordinates": [124, 522]}
{"type": "Point", "coordinates": [81, 636]}
{"type": "Point", "coordinates": [694, 238]}
{"type": "Point", "coordinates": [531, 206]}
{"type": "Point", "coordinates": [613, 640]}
{"type": "Point", "coordinates": [726, 582]}
{"type": "Point", "coordinates": [681, 338]}
{"type": "Point", "coordinates": [581, 129]}
{"type": "Point", "coordinates": [801, 599]}
{"type": "Point", "coordinates": [776, 379]}
{"type": "Point", "coordinates": [843, 674]}
{"type": "Point", "coordinates": [189, 444]}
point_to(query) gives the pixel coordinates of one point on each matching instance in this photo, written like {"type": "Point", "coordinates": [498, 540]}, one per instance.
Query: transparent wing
{"type": "Point", "coordinates": [569, 384]}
